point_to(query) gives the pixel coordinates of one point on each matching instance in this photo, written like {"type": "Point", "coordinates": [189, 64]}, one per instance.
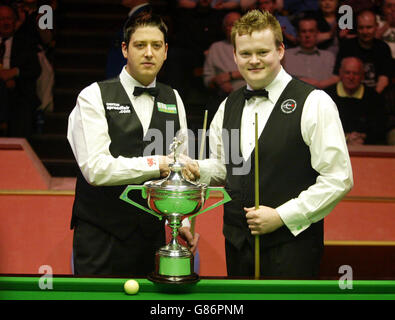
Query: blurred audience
{"type": "Point", "coordinates": [358, 76]}
{"type": "Point", "coordinates": [386, 25]}
{"type": "Point", "coordinates": [194, 31]}
{"type": "Point", "coordinates": [28, 17]}
{"type": "Point", "coordinates": [327, 18]}
{"type": "Point", "coordinates": [375, 53]}
{"type": "Point", "coordinates": [220, 72]}
{"type": "Point", "coordinates": [19, 72]}
{"type": "Point", "coordinates": [295, 9]}
{"type": "Point", "coordinates": [246, 5]}
{"type": "Point", "coordinates": [361, 108]}
{"type": "Point", "coordinates": [361, 5]}
{"type": "Point", "coordinates": [28, 23]}
{"type": "Point", "coordinates": [289, 31]}
{"type": "Point", "coordinates": [215, 4]}
{"type": "Point", "coordinates": [308, 63]}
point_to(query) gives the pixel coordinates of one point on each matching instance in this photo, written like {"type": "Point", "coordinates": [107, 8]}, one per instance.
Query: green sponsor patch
{"type": "Point", "coordinates": [168, 108]}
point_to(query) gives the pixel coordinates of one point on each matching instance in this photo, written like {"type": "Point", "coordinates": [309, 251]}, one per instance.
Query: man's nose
{"type": "Point", "coordinates": [254, 59]}
{"type": "Point", "coordinates": [148, 51]}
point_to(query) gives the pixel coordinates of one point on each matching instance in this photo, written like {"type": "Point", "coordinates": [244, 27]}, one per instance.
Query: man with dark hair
{"type": "Point", "coordinates": [109, 131]}
{"type": "Point", "coordinates": [115, 59]}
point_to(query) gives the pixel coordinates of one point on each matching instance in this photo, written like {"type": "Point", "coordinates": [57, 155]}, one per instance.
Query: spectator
{"type": "Point", "coordinates": [220, 71]}
{"type": "Point", "coordinates": [195, 30]}
{"type": "Point", "coordinates": [295, 9]}
{"type": "Point", "coordinates": [307, 62]}
{"type": "Point", "coordinates": [289, 32]}
{"type": "Point", "coordinates": [215, 4]}
{"type": "Point", "coordinates": [246, 5]}
{"type": "Point", "coordinates": [361, 108]}
{"type": "Point", "coordinates": [18, 74]}
{"type": "Point", "coordinates": [361, 5]}
{"type": "Point", "coordinates": [28, 17]}
{"type": "Point", "coordinates": [327, 22]}
{"type": "Point", "coordinates": [375, 53]}
{"type": "Point", "coordinates": [386, 25]}
{"type": "Point", "coordinates": [28, 23]}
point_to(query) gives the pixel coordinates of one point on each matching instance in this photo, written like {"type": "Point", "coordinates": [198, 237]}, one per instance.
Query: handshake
{"type": "Point", "coordinates": [190, 171]}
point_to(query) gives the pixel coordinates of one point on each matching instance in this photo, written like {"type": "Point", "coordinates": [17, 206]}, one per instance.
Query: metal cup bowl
{"type": "Point", "coordinates": [184, 200]}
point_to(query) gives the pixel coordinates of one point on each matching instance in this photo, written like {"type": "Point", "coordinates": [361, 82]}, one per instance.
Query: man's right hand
{"type": "Point", "coordinates": [164, 169]}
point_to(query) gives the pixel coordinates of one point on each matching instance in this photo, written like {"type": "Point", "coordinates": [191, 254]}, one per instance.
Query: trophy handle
{"type": "Point", "coordinates": [226, 199]}
{"type": "Point", "coordinates": [124, 197]}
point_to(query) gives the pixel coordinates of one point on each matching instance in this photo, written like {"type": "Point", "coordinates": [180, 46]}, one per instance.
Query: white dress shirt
{"type": "Point", "coordinates": [322, 132]}
{"type": "Point", "coordinates": [89, 139]}
{"type": "Point", "coordinates": [7, 53]}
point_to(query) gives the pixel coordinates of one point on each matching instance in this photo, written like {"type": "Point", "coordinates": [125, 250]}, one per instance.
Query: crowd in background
{"type": "Point", "coordinates": [26, 71]}
{"type": "Point", "coordinates": [355, 66]}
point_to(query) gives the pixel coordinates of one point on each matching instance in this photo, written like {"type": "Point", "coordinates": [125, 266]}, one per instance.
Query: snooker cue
{"type": "Point", "coordinates": [257, 249]}
{"type": "Point", "coordinates": [193, 222]}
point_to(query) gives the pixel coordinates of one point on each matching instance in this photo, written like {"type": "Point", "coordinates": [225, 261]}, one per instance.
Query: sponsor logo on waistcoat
{"type": "Point", "coordinates": [288, 106]}
{"type": "Point", "coordinates": [118, 107]}
{"type": "Point", "coordinates": [167, 108]}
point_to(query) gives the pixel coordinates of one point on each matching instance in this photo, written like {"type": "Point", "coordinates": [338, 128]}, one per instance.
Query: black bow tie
{"type": "Point", "coordinates": [152, 91]}
{"type": "Point", "coordinates": [253, 93]}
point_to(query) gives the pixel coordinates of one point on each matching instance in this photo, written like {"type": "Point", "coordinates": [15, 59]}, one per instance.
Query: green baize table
{"type": "Point", "coordinates": [85, 288]}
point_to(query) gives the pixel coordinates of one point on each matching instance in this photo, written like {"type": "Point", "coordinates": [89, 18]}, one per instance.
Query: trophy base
{"type": "Point", "coordinates": [162, 279]}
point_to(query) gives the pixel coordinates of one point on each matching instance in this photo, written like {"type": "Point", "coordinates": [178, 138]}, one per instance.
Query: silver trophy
{"type": "Point", "coordinates": [174, 198]}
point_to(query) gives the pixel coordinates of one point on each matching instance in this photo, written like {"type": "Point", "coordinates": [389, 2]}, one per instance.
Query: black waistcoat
{"type": "Point", "coordinates": [284, 165]}
{"type": "Point", "coordinates": [100, 205]}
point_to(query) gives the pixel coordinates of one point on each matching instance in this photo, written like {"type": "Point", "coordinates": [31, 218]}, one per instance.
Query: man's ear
{"type": "Point", "coordinates": [281, 51]}
{"type": "Point", "coordinates": [166, 48]}
{"type": "Point", "coordinates": [124, 49]}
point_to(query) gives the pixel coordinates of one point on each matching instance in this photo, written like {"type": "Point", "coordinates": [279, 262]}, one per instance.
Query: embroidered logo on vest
{"type": "Point", "coordinates": [117, 107]}
{"type": "Point", "coordinates": [167, 108]}
{"type": "Point", "coordinates": [288, 106]}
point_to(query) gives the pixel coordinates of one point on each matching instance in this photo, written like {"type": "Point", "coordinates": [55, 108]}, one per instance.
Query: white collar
{"type": "Point", "coordinates": [130, 82]}
{"type": "Point", "coordinates": [277, 86]}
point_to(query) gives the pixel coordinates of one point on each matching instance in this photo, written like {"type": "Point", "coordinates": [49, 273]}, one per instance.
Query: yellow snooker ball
{"type": "Point", "coordinates": [131, 287]}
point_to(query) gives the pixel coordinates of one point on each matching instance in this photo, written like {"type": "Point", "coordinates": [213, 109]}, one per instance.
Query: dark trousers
{"type": "Point", "coordinates": [97, 252]}
{"type": "Point", "coordinates": [295, 259]}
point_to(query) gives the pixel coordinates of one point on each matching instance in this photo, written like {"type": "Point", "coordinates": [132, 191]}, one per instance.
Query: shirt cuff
{"type": "Point", "coordinates": [186, 223]}
{"type": "Point", "coordinates": [295, 221]}
{"type": "Point", "coordinates": [204, 171]}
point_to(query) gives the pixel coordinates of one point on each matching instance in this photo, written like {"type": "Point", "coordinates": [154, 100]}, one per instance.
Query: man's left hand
{"type": "Point", "coordinates": [191, 168]}
{"type": "Point", "coordinates": [264, 220]}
